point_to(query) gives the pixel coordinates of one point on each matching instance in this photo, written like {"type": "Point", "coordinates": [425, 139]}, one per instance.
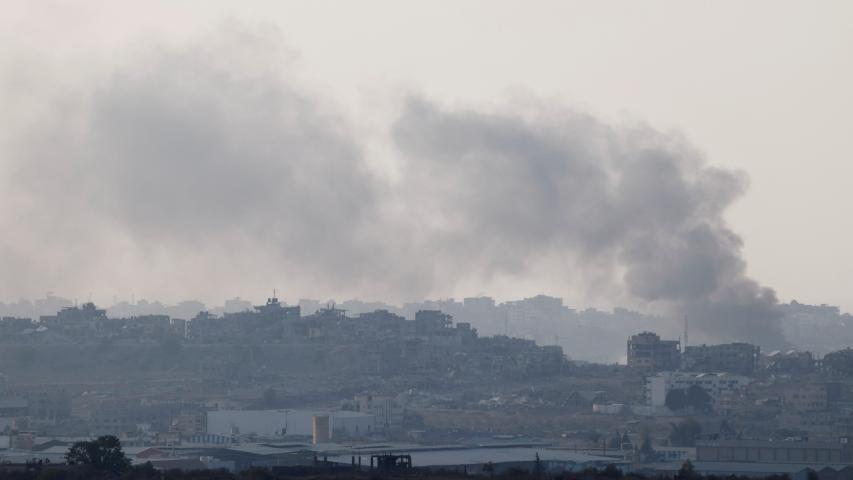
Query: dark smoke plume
{"type": "Point", "coordinates": [210, 167]}
{"type": "Point", "coordinates": [635, 202]}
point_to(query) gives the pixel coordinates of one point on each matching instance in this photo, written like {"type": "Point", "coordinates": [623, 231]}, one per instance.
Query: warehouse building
{"type": "Point", "coordinates": [288, 422]}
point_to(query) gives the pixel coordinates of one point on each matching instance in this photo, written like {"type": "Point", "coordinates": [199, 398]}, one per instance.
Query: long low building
{"type": "Point", "coordinates": [486, 460]}
{"type": "Point", "coordinates": [773, 452]}
{"type": "Point", "coordinates": [287, 422]}
{"type": "Point", "coordinates": [483, 458]}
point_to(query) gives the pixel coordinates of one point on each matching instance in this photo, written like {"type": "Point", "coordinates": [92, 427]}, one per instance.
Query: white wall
{"type": "Point", "coordinates": [656, 391]}
{"type": "Point", "coordinates": [717, 386]}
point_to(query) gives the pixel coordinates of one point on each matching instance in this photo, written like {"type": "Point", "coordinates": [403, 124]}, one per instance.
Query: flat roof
{"type": "Point", "coordinates": [261, 449]}
{"type": "Point", "coordinates": [765, 444]}
{"type": "Point", "coordinates": [477, 456]}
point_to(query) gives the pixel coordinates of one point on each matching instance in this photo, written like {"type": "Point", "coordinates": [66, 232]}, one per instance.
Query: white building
{"type": "Point", "coordinates": [277, 423]}
{"type": "Point", "coordinates": [389, 411]}
{"type": "Point", "coordinates": [723, 388]}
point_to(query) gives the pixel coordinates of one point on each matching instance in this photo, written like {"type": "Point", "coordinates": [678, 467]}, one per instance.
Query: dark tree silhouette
{"type": "Point", "coordinates": [687, 472]}
{"type": "Point", "coordinates": [104, 454]}
{"type": "Point", "coordinates": [676, 400]}
{"type": "Point", "coordinates": [698, 398]}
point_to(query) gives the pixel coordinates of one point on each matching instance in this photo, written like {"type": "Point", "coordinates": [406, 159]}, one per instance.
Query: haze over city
{"type": "Point", "coordinates": [527, 186]}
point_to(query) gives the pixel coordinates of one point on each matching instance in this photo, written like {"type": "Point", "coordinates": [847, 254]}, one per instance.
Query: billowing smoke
{"type": "Point", "coordinates": [211, 167]}
{"type": "Point", "coordinates": [189, 170]}
{"type": "Point", "coordinates": [632, 204]}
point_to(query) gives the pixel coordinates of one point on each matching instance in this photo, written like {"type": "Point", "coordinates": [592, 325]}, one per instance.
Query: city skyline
{"type": "Point", "coordinates": [480, 239]}
{"type": "Point", "coordinates": [131, 248]}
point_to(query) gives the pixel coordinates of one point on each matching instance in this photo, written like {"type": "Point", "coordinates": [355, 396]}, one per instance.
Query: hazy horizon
{"type": "Point", "coordinates": [235, 151]}
{"type": "Point", "coordinates": [654, 196]}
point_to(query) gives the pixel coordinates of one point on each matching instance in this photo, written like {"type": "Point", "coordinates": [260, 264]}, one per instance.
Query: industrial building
{"type": "Point", "coordinates": [390, 412]}
{"type": "Point", "coordinates": [287, 422]}
{"type": "Point", "coordinates": [774, 452]}
{"type": "Point", "coordinates": [493, 460]}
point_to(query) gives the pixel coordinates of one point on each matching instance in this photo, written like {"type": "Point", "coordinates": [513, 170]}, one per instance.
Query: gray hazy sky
{"type": "Point", "coordinates": [763, 87]}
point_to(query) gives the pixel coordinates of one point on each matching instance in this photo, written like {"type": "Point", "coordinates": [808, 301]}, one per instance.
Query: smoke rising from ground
{"type": "Point", "coordinates": [211, 166]}
{"type": "Point", "coordinates": [636, 204]}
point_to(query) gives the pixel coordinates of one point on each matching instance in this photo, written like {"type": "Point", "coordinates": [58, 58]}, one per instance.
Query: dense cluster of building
{"type": "Point", "coordinates": [272, 384]}
{"type": "Point", "coordinates": [373, 343]}
{"type": "Point", "coordinates": [647, 352]}
{"type": "Point", "coordinates": [794, 411]}
{"type": "Point", "coordinates": [88, 323]}
{"type": "Point", "coordinates": [387, 341]}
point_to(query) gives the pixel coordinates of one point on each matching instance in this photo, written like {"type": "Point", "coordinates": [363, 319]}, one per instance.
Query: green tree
{"type": "Point", "coordinates": [611, 471]}
{"type": "Point", "coordinates": [698, 398]}
{"type": "Point", "coordinates": [489, 468]}
{"type": "Point", "coordinates": [687, 472]}
{"type": "Point", "coordinates": [103, 454]}
{"type": "Point", "coordinates": [676, 400]}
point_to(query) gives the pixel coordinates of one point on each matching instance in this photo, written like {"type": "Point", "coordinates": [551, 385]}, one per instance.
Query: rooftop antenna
{"type": "Point", "coordinates": [685, 331]}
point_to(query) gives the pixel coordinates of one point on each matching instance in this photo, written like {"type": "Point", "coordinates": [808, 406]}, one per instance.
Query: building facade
{"type": "Point", "coordinates": [648, 353]}
{"type": "Point", "coordinates": [723, 388]}
{"type": "Point", "coordinates": [806, 397]}
{"type": "Point", "coordinates": [740, 358]}
{"type": "Point", "coordinates": [773, 452]}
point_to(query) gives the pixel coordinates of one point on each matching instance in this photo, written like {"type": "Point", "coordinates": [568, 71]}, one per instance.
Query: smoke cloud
{"type": "Point", "coordinates": [212, 167]}
{"type": "Point", "coordinates": [639, 205]}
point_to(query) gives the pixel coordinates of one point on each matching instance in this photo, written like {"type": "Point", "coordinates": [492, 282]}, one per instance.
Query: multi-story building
{"type": "Point", "coordinates": [791, 362]}
{"type": "Point", "coordinates": [430, 322]}
{"type": "Point", "coordinates": [648, 353]}
{"type": "Point", "coordinates": [723, 388]}
{"type": "Point", "coordinates": [266, 323]}
{"type": "Point", "coordinates": [390, 412]}
{"type": "Point", "coordinates": [537, 318]}
{"type": "Point", "coordinates": [729, 357]}
{"type": "Point", "coordinates": [806, 397]}
{"type": "Point", "coordinates": [189, 424]}
{"type": "Point", "coordinates": [49, 405]}
{"type": "Point", "coordinates": [75, 321]}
